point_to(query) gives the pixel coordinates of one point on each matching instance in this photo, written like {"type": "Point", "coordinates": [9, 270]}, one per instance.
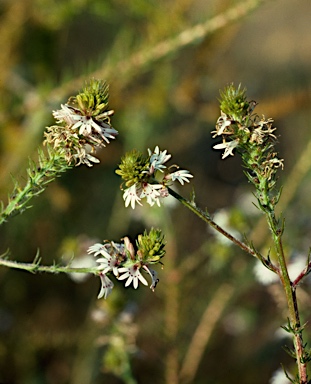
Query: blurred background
{"type": "Point", "coordinates": [215, 316]}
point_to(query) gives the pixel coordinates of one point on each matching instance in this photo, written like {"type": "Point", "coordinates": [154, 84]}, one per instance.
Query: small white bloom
{"type": "Point", "coordinates": [106, 286]}
{"type": "Point", "coordinates": [181, 176]}
{"type": "Point", "coordinates": [66, 114]}
{"type": "Point", "coordinates": [96, 249]}
{"type": "Point", "coordinates": [154, 277]}
{"type": "Point", "coordinates": [108, 262]}
{"type": "Point", "coordinates": [228, 146]}
{"type": "Point", "coordinates": [130, 197]}
{"type": "Point", "coordinates": [152, 193]}
{"type": "Point", "coordinates": [158, 158]}
{"type": "Point", "coordinates": [222, 123]}
{"type": "Point", "coordinates": [86, 123]}
{"type": "Point", "coordinates": [132, 274]}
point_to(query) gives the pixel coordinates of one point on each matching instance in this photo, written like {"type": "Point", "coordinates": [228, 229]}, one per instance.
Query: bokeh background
{"type": "Point", "coordinates": [211, 319]}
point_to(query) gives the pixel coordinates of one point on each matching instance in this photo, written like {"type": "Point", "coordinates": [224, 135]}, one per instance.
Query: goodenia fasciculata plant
{"type": "Point", "coordinates": [83, 125]}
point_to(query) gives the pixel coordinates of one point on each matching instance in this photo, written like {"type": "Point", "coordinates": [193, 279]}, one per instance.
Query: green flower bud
{"type": "Point", "coordinates": [132, 166]}
{"type": "Point", "coordinates": [233, 103]}
{"type": "Point", "coordinates": [151, 246]}
{"type": "Point", "coordinates": [93, 100]}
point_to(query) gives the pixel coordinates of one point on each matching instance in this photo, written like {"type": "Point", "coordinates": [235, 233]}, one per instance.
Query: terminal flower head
{"type": "Point", "coordinates": [253, 137]}
{"type": "Point", "coordinates": [148, 177]}
{"type": "Point", "coordinates": [82, 125]}
{"type": "Point", "coordinates": [127, 261]}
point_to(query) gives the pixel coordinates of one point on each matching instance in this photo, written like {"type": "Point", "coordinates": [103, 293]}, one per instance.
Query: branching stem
{"type": "Point", "coordinates": [35, 267]}
{"type": "Point", "coordinates": [205, 217]}
{"type": "Point", "coordinates": [290, 292]}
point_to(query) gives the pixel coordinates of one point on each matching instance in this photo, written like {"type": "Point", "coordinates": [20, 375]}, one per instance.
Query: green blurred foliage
{"type": "Point", "coordinates": [52, 330]}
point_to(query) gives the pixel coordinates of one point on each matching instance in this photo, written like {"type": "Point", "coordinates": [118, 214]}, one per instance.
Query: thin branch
{"type": "Point", "coordinates": [35, 267]}
{"type": "Point", "coordinates": [205, 217]}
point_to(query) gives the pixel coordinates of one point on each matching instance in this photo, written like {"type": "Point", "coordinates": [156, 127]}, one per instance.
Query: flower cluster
{"type": "Point", "coordinates": [126, 263]}
{"type": "Point", "coordinates": [251, 136]}
{"type": "Point", "coordinates": [83, 125]}
{"type": "Point", "coordinates": [148, 177]}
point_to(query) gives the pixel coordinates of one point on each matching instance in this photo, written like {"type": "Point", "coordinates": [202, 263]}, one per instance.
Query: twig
{"type": "Point", "coordinates": [35, 267]}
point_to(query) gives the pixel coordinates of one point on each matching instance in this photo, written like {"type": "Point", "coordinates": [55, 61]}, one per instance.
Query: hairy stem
{"type": "Point", "coordinates": [48, 168]}
{"type": "Point", "coordinates": [282, 272]}
{"type": "Point", "coordinates": [36, 267]}
{"type": "Point", "coordinates": [206, 217]}
{"type": "Point", "coordinates": [290, 293]}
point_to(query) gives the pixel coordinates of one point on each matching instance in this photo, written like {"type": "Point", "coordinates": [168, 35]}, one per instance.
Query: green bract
{"type": "Point", "coordinates": [233, 102]}
{"type": "Point", "coordinates": [151, 246]}
{"type": "Point", "coordinates": [132, 166]}
{"type": "Point", "coordinates": [93, 100]}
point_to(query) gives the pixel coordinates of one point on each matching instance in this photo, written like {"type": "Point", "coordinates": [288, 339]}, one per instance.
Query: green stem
{"type": "Point", "coordinates": [18, 203]}
{"type": "Point", "coordinates": [35, 267]}
{"type": "Point", "coordinates": [291, 298]}
{"type": "Point", "coordinates": [205, 217]}
{"type": "Point", "coordinates": [50, 166]}
{"type": "Point", "coordinates": [290, 291]}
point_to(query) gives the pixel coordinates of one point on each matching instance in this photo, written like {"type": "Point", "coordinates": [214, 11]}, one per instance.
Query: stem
{"type": "Point", "coordinates": [48, 168]}
{"type": "Point", "coordinates": [289, 288]}
{"type": "Point", "coordinates": [205, 217]}
{"type": "Point", "coordinates": [290, 292]}
{"type": "Point", "coordinates": [35, 267]}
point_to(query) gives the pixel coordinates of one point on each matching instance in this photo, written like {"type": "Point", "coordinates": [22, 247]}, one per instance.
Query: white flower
{"type": "Point", "coordinates": [157, 159]}
{"type": "Point", "coordinates": [154, 277]}
{"type": "Point", "coordinates": [106, 286]}
{"type": "Point", "coordinates": [181, 176]}
{"type": "Point", "coordinates": [130, 196]}
{"type": "Point", "coordinates": [132, 274]}
{"type": "Point", "coordinates": [228, 146]}
{"type": "Point", "coordinates": [86, 123]}
{"type": "Point", "coordinates": [222, 123]}
{"type": "Point", "coordinates": [96, 249]}
{"type": "Point", "coordinates": [66, 114]}
{"type": "Point", "coordinates": [152, 193]}
{"type": "Point", "coordinates": [108, 262]}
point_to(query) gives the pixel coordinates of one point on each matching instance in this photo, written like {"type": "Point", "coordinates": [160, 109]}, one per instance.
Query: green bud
{"type": "Point", "coordinates": [132, 166]}
{"type": "Point", "coordinates": [233, 103]}
{"type": "Point", "coordinates": [93, 99]}
{"type": "Point", "coordinates": [151, 246]}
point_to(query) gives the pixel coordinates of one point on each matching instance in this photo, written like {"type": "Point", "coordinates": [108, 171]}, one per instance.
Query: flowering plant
{"type": "Point", "coordinates": [83, 126]}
